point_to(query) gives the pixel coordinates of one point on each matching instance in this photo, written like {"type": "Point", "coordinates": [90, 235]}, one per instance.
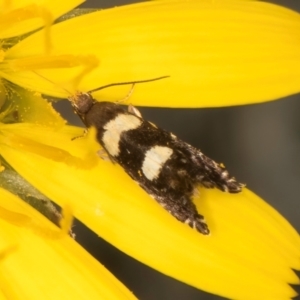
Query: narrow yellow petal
{"type": "Point", "coordinates": [46, 263]}
{"type": "Point", "coordinates": [248, 237]}
{"type": "Point", "coordinates": [216, 52]}
{"type": "Point", "coordinates": [21, 16]}
{"type": "Point", "coordinates": [41, 140]}
{"type": "Point", "coordinates": [25, 106]}
{"type": "Point", "coordinates": [85, 64]}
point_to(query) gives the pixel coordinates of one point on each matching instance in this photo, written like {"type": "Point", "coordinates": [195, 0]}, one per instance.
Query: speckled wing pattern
{"type": "Point", "coordinates": [167, 168]}
{"type": "Point", "coordinates": [178, 177]}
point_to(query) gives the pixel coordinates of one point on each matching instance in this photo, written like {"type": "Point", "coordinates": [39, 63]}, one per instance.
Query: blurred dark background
{"type": "Point", "coordinates": [260, 144]}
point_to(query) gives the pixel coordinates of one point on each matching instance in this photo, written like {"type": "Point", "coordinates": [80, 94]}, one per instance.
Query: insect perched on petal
{"type": "Point", "coordinates": [167, 168]}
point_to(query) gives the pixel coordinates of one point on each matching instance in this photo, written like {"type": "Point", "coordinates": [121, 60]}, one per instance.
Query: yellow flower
{"type": "Point", "coordinates": [217, 53]}
{"type": "Point", "coordinates": [39, 261]}
{"type": "Point", "coordinates": [214, 55]}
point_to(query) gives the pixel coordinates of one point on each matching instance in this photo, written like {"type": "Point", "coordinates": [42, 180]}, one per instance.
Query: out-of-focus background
{"type": "Point", "coordinates": [260, 145]}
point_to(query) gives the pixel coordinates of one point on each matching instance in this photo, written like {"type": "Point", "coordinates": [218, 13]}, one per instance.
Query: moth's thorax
{"type": "Point", "coordinates": [103, 112]}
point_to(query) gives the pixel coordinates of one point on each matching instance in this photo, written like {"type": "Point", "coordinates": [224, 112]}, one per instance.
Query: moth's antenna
{"type": "Point", "coordinates": [108, 85]}
{"type": "Point", "coordinates": [125, 83]}
{"type": "Point", "coordinates": [68, 92]}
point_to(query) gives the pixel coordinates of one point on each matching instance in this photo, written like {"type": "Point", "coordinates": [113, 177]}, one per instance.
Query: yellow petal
{"type": "Point", "coordinates": [21, 16]}
{"type": "Point", "coordinates": [248, 237]}
{"type": "Point", "coordinates": [216, 53]}
{"type": "Point", "coordinates": [25, 106]}
{"type": "Point", "coordinates": [57, 145]}
{"type": "Point", "coordinates": [38, 261]}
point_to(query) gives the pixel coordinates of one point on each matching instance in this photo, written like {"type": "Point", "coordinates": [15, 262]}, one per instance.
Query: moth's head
{"type": "Point", "coordinates": [81, 102]}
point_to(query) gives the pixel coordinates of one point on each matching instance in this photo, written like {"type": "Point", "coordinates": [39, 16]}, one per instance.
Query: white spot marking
{"type": "Point", "coordinates": [154, 161]}
{"type": "Point", "coordinates": [115, 128]}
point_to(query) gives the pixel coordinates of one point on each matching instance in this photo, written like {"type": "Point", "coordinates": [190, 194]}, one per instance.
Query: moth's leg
{"type": "Point", "coordinates": [102, 153]}
{"type": "Point", "coordinates": [133, 110]}
{"type": "Point", "coordinates": [125, 99]}
{"type": "Point", "coordinates": [80, 136]}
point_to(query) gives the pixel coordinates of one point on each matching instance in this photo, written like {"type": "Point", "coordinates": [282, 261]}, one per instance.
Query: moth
{"type": "Point", "coordinates": [167, 168]}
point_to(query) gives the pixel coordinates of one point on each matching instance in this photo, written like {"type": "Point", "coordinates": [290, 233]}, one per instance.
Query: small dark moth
{"type": "Point", "coordinates": [168, 169]}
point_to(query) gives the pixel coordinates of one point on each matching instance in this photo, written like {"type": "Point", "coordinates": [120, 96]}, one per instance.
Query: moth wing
{"type": "Point", "coordinates": [111, 139]}
{"type": "Point", "coordinates": [211, 174]}
{"type": "Point", "coordinates": [154, 160]}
